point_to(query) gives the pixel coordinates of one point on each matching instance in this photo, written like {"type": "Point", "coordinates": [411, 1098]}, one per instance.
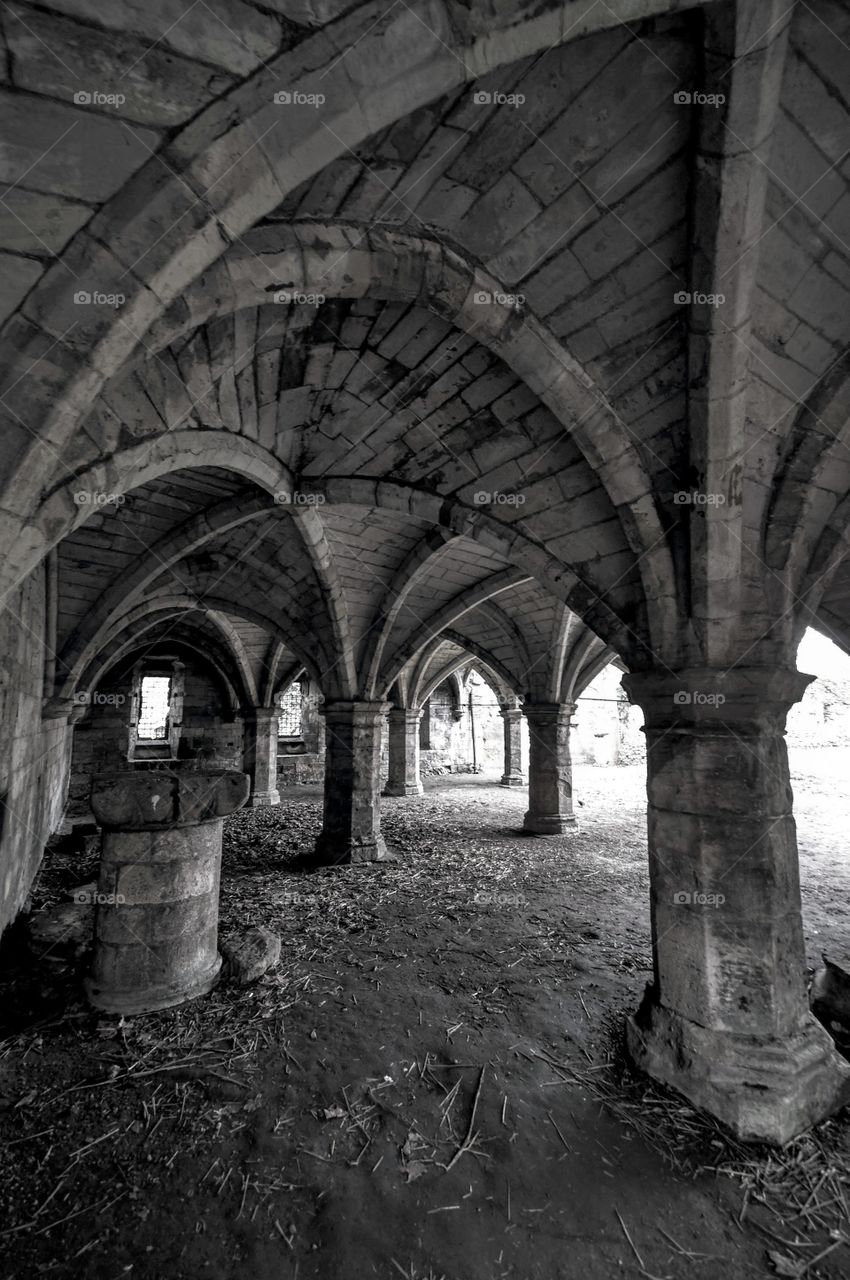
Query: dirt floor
{"type": "Point", "coordinates": [430, 1083]}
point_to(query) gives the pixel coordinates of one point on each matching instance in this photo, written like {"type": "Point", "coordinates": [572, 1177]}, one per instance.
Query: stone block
{"type": "Point", "coordinates": [249, 955]}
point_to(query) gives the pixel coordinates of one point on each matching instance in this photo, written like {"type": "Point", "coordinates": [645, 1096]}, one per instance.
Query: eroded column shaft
{"type": "Point", "coordinates": [351, 830]}
{"type": "Point", "coordinates": [726, 1018]}
{"type": "Point", "coordinates": [550, 770]}
{"type": "Point", "coordinates": [262, 756]}
{"type": "Point", "coordinates": [513, 775]}
{"type": "Point", "coordinates": [403, 749]}
{"type": "Point", "coordinates": [156, 923]}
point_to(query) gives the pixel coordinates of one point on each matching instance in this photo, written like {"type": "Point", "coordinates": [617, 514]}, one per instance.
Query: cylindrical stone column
{"type": "Point", "coordinates": [550, 769]}
{"type": "Point", "coordinates": [351, 830]}
{"type": "Point", "coordinates": [403, 749]}
{"type": "Point", "coordinates": [156, 922]}
{"type": "Point", "coordinates": [513, 775]}
{"type": "Point", "coordinates": [726, 1019]}
{"type": "Point", "coordinates": [262, 756]}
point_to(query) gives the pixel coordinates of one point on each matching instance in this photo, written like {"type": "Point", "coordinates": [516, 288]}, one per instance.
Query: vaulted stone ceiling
{"type": "Point", "coordinates": [541, 157]}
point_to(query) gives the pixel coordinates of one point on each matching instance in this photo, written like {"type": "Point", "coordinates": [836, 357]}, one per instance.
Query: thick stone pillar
{"type": "Point", "coordinates": [156, 921]}
{"type": "Point", "coordinates": [726, 1019]}
{"type": "Point", "coordinates": [513, 775]}
{"type": "Point", "coordinates": [550, 769]}
{"type": "Point", "coordinates": [351, 830]}
{"type": "Point", "coordinates": [262, 756]}
{"type": "Point", "coordinates": [403, 747]}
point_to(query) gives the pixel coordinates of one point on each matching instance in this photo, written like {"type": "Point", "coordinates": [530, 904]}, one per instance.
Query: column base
{"type": "Point", "coordinates": [331, 851]}
{"type": "Point", "coordinates": [403, 789]}
{"type": "Point", "coordinates": [764, 1090]}
{"type": "Point", "coordinates": [550, 824]}
{"type": "Point", "coordinates": [153, 998]}
{"type": "Point", "coordinates": [512, 780]}
{"type": "Point", "coordinates": [262, 799]}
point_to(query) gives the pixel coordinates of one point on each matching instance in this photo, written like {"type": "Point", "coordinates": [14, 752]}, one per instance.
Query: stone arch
{"type": "Point", "coordinates": [396, 265]}
{"type": "Point", "coordinates": [124, 640]}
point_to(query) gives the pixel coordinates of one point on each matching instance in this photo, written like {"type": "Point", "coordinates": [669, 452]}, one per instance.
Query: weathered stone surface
{"type": "Point", "coordinates": [351, 829]}
{"type": "Point", "coordinates": [157, 916]}
{"type": "Point", "coordinates": [247, 956]}
{"type": "Point", "coordinates": [403, 745]}
{"type": "Point", "coordinates": [726, 1019]}
{"type": "Point", "coordinates": [138, 801]}
{"type": "Point", "coordinates": [550, 771]}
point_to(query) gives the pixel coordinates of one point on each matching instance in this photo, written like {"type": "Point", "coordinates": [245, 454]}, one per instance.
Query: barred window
{"type": "Point", "coordinates": [154, 705]}
{"type": "Point", "coordinates": [289, 719]}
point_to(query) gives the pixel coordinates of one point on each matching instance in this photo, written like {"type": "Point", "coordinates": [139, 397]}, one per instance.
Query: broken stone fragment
{"type": "Point", "coordinates": [830, 993]}
{"type": "Point", "coordinates": [247, 956]}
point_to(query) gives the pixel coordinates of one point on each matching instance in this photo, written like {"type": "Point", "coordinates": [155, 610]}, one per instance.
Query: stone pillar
{"type": "Point", "coordinates": [156, 920]}
{"type": "Point", "coordinates": [726, 1019]}
{"type": "Point", "coordinates": [513, 775]}
{"type": "Point", "coordinates": [351, 830]}
{"type": "Point", "coordinates": [550, 769]}
{"type": "Point", "coordinates": [403, 746]}
{"type": "Point", "coordinates": [262, 756]}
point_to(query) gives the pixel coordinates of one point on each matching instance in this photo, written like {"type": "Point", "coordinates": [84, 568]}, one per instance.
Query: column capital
{"type": "Point", "coordinates": [152, 800]}
{"type": "Point", "coordinates": [264, 715]}
{"type": "Point", "coordinates": [345, 709]}
{"type": "Point", "coordinates": [545, 712]}
{"type": "Point", "coordinates": [70, 709]}
{"type": "Point", "coordinates": [697, 697]}
{"type": "Point", "coordinates": [405, 715]}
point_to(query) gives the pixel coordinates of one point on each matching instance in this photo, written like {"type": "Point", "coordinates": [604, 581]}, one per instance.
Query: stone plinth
{"type": "Point", "coordinates": [351, 830]}
{"type": "Point", "coordinates": [403, 748]}
{"type": "Point", "coordinates": [726, 1018]}
{"type": "Point", "coordinates": [550, 770]}
{"type": "Point", "coordinates": [513, 775]}
{"type": "Point", "coordinates": [156, 922]}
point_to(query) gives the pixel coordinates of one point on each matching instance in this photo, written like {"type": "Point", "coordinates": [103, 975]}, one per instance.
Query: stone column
{"type": "Point", "coordinates": [403, 746]}
{"type": "Point", "coordinates": [351, 830]}
{"type": "Point", "coordinates": [261, 759]}
{"type": "Point", "coordinates": [726, 1019]}
{"type": "Point", "coordinates": [550, 770]}
{"type": "Point", "coordinates": [156, 920]}
{"type": "Point", "coordinates": [513, 775]}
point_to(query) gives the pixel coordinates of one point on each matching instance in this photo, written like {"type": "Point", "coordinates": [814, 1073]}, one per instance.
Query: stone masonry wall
{"type": "Point", "coordinates": [33, 752]}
